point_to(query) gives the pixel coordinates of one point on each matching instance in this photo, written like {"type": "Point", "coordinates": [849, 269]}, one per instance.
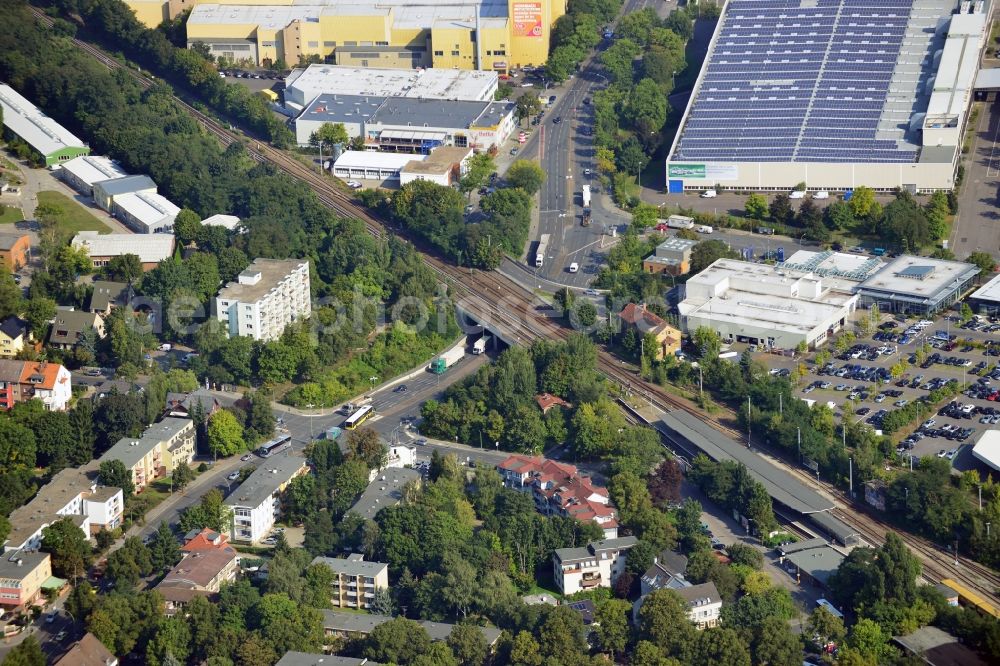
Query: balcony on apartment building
{"type": "Point", "coordinates": [590, 580]}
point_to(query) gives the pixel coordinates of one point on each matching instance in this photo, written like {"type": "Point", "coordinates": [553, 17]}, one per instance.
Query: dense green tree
{"type": "Point", "coordinates": [225, 434]}
{"type": "Point", "coordinates": [663, 620]}
{"type": "Point", "coordinates": [756, 207]}
{"type": "Point", "coordinates": [397, 641]}
{"type": "Point", "coordinates": [70, 551]}
{"type": "Point", "coordinates": [468, 644]}
{"type": "Point", "coordinates": [526, 175]}
{"type": "Point", "coordinates": [720, 645]}
{"type": "Point", "coordinates": [164, 548]}
{"type": "Point", "coordinates": [26, 653]}
{"type": "Point", "coordinates": [114, 473]}
{"type": "Point", "coordinates": [612, 618]}
{"type": "Point", "coordinates": [984, 260]}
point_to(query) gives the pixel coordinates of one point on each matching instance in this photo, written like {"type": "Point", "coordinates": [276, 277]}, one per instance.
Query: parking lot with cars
{"type": "Point", "coordinates": [928, 356]}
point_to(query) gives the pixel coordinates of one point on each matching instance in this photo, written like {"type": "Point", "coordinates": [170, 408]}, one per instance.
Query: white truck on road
{"type": "Point", "coordinates": [446, 360]}
{"type": "Point", "coordinates": [543, 246]}
{"type": "Point", "coordinates": [680, 222]}
{"type": "Point", "coordinates": [585, 220]}
{"type": "Point", "coordinates": [479, 346]}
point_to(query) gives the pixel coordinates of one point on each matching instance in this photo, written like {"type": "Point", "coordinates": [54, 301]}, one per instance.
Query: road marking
{"type": "Point", "coordinates": [581, 249]}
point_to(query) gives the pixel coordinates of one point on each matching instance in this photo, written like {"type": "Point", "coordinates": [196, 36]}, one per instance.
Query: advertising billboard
{"type": "Point", "coordinates": [713, 172]}
{"type": "Point", "coordinates": [527, 19]}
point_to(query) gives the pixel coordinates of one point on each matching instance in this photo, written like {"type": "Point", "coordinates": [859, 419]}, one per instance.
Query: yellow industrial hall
{"type": "Point", "coordinates": [497, 35]}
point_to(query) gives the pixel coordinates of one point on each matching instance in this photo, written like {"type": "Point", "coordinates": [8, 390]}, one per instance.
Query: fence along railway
{"type": "Point", "coordinates": [499, 301]}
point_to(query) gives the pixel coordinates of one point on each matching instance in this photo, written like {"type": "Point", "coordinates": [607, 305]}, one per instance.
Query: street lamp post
{"type": "Point", "coordinates": [987, 530]}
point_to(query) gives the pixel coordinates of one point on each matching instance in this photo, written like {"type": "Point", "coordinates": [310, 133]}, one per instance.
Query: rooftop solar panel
{"type": "Point", "coordinates": [800, 81]}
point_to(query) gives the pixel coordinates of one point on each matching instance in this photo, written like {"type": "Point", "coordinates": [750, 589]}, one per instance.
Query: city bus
{"type": "Point", "coordinates": [276, 445]}
{"type": "Point", "coordinates": [359, 417]}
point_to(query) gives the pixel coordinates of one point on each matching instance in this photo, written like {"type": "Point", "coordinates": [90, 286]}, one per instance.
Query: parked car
{"type": "Point", "coordinates": [233, 476]}
{"type": "Point", "coordinates": [354, 185]}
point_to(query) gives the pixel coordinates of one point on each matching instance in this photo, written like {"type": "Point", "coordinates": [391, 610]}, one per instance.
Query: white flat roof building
{"type": "Point", "coordinates": [266, 297]}
{"type": "Point", "coordinates": [82, 172]}
{"type": "Point", "coordinates": [986, 299]}
{"type": "Point", "coordinates": [987, 449]}
{"type": "Point", "coordinates": [150, 248]}
{"type": "Point", "coordinates": [256, 502]}
{"type": "Point", "coordinates": [229, 222]}
{"type": "Point", "coordinates": [371, 165]}
{"type": "Point", "coordinates": [760, 304]}
{"type": "Point", "coordinates": [145, 212]}
{"type": "Point", "coordinates": [920, 285]}
{"type": "Point", "coordinates": [839, 270]}
{"type": "Point", "coordinates": [304, 85]}
{"type": "Point", "coordinates": [50, 139]}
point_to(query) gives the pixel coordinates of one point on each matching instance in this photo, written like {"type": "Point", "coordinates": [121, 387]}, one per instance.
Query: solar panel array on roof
{"type": "Point", "coordinates": [800, 81]}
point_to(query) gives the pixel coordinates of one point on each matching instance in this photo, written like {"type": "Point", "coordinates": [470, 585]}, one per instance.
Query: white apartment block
{"type": "Point", "coordinates": [73, 493]}
{"type": "Point", "coordinates": [257, 502]}
{"type": "Point", "coordinates": [597, 565]}
{"type": "Point", "coordinates": [354, 580]}
{"type": "Point", "coordinates": [266, 297]}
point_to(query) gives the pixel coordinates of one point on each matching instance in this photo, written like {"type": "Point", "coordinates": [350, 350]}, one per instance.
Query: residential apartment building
{"type": "Point", "coordinates": [257, 502]}
{"type": "Point", "coordinates": [351, 625]}
{"type": "Point", "coordinates": [266, 297]}
{"type": "Point", "coordinates": [354, 580]}
{"type": "Point", "coordinates": [559, 489]}
{"type": "Point", "coordinates": [208, 562]}
{"type": "Point", "coordinates": [22, 574]}
{"type": "Point", "coordinates": [20, 381]}
{"type": "Point", "coordinates": [157, 452]}
{"type": "Point", "coordinates": [71, 327]}
{"type": "Point", "coordinates": [597, 565]}
{"type": "Point", "coordinates": [13, 336]}
{"type": "Point", "coordinates": [703, 601]}
{"type": "Point", "coordinates": [72, 492]}
{"type": "Point", "coordinates": [15, 250]}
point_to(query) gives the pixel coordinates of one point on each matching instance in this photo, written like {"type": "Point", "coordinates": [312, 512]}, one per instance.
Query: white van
{"type": "Point", "coordinates": [822, 194]}
{"type": "Point", "coordinates": [797, 194]}
{"type": "Point", "coordinates": [709, 194]}
{"type": "Point", "coordinates": [574, 267]}
{"type": "Point", "coordinates": [703, 229]}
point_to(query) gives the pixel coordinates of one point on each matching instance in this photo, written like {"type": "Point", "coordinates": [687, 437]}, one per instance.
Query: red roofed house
{"type": "Point", "coordinates": [559, 489]}
{"type": "Point", "coordinates": [667, 337]}
{"type": "Point", "coordinates": [204, 540]}
{"type": "Point", "coordinates": [23, 380]}
{"type": "Point", "coordinates": [209, 561]}
{"type": "Point", "coordinates": [547, 401]}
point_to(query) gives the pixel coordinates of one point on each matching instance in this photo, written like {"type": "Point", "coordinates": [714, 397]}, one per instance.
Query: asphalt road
{"type": "Point", "coordinates": [975, 227]}
{"type": "Point", "coordinates": [391, 406]}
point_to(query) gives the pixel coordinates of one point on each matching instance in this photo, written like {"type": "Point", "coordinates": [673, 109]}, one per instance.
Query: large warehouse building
{"type": "Point", "coordinates": [53, 142]}
{"type": "Point", "coordinates": [833, 93]}
{"type": "Point", "coordinates": [303, 85]}
{"type": "Point", "coordinates": [450, 34]}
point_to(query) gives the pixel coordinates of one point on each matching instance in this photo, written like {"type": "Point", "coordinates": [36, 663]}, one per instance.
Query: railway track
{"type": "Point", "coordinates": [499, 300]}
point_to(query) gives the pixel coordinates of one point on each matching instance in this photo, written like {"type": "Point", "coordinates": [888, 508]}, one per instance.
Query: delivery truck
{"type": "Point", "coordinates": [441, 364]}
{"type": "Point", "coordinates": [680, 222]}
{"type": "Point", "coordinates": [479, 346]}
{"type": "Point", "coordinates": [586, 205]}
{"type": "Point", "coordinates": [543, 246]}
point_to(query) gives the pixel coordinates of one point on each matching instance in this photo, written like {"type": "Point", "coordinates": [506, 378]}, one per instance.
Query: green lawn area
{"type": "Point", "coordinates": [10, 215]}
{"type": "Point", "coordinates": [74, 217]}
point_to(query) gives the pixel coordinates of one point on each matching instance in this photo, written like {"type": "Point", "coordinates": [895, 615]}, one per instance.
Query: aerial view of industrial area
{"type": "Point", "coordinates": [499, 332]}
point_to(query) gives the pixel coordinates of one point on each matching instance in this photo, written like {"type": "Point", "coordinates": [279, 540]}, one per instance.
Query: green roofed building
{"type": "Point", "coordinates": [46, 137]}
